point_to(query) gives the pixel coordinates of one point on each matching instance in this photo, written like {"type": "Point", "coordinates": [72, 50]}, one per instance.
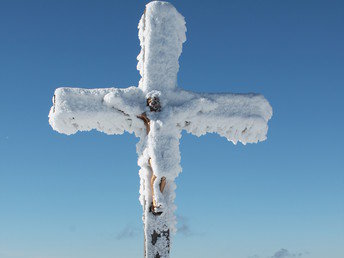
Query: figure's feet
{"type": "Point", "coordinates": [155, 210]}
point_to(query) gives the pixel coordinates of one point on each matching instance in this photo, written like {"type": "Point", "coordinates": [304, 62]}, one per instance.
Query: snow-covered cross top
{"type": "Point", "coordinates": [157, 111]}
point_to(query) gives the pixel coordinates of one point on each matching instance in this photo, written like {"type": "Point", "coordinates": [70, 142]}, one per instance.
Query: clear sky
{"type": "Point", "coordinates": [77, 196]}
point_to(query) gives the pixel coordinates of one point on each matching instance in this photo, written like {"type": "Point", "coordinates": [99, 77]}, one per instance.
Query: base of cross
{"type": "Point", "coordinates": [164, 234]}
{"type": "Point", "coordinates": [157, 244]}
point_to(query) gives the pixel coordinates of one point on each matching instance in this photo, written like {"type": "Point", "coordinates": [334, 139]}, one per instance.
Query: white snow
{"type": "Point", "coordinates": [161, 33]}
{"type": "Point", "coordinates": [238, 117]}
{"type": "Point", "coordinates": [111, 110]}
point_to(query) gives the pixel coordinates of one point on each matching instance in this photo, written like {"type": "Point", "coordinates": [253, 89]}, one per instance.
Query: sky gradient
{"type": "Point", "coordinates": [77, 196]}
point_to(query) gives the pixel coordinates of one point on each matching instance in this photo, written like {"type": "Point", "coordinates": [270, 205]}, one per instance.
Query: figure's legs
{"type": "Point", "coordinates": [159, 232]}
{"type": "Point", "coordinates": [155, 207]}
{"type": "Point", "coordinates": [156, 220]}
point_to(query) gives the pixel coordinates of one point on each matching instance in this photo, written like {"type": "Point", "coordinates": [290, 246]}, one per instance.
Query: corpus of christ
{"type": "Point", "coordinates": [157, 111]}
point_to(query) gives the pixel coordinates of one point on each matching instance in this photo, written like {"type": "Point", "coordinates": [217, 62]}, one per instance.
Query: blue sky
{"type": "Point", "coordinates": [77, 196]}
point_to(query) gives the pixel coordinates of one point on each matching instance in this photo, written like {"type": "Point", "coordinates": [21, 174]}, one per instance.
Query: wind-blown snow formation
{"type": "Point", "coordinates": [162, 34]}
{"type": "Point", "coordinates": [111, 110]}
{"type": "Point", "coordinates": [238, 117]}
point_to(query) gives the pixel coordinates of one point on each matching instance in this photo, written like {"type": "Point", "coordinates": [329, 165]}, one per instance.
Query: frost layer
{"type": "Point", "coordinates": [162, 34]}
{"type": "Point", "coordinates": [237, 117]}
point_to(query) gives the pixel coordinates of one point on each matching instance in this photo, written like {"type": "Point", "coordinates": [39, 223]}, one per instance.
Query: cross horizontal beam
{"type": "Point", "coordinates": [238, 117]}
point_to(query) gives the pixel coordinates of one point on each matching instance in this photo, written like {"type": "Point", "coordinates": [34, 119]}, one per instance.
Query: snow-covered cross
{"type": "Point", "coordinates": [157, 111]}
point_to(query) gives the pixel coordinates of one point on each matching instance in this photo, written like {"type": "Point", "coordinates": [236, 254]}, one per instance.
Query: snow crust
{"type": "Point", "coordinates": [162, 34]}
{"type": "Point", "coordinates": [111, 111]}
{"type": "Point", "coordinates": [237, 117]}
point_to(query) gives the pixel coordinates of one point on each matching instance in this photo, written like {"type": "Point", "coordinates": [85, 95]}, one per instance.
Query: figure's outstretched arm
{"type": "Point", "coordinates": [238, 117]}
{"type": "Point", "coordinates": [111, 110]}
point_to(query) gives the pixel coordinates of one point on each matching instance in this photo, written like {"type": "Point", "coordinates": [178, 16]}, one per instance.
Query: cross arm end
{"type": "Point", "coordinates": [238, 117]}
{"type": "Point", "coordinates": [107, 110]}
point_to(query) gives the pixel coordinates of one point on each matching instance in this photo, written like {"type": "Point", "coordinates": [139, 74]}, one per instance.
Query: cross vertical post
{"type": "Point", "coordinates": [157, 111]}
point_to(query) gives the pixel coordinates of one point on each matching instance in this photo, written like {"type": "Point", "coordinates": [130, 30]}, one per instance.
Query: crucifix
{"type": "Point", "coordinates": [157, 111]}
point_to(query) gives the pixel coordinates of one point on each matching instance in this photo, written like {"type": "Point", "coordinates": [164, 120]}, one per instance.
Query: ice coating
{"type": "Point", "coordinates": [162, 34]}
{"type": "Point", "coordinates": [111, 110]}
{"type": "Point", "coordinates": [237, 117]}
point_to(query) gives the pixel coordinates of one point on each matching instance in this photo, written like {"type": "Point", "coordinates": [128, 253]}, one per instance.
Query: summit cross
{"type": "Point", "coordinates": [157, 111]}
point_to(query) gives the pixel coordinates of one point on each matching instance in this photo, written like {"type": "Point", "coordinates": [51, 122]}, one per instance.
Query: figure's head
{"type": "Point", "coordinates": [153, 101]}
